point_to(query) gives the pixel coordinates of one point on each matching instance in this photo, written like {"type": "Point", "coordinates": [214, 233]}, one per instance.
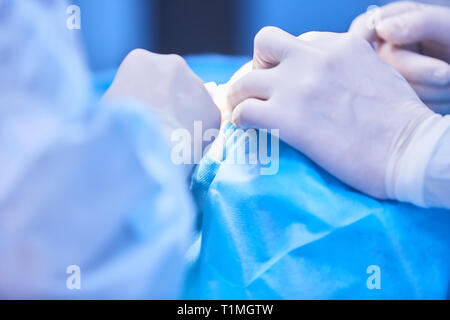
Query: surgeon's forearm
{"type": "Point", "coordinates": [437, 177]}
{"type": "Point", "coordinates": [421, 172]}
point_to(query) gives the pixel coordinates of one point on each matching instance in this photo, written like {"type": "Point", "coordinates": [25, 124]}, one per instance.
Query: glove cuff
{"type": "Point", "coordinates": [407, 169]}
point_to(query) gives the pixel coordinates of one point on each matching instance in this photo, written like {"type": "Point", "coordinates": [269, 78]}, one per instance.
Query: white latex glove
{"type": "Point", "coordinates": [415, 40]}
{"type": "Point", "coordinates": [219, 92]}
{"type": "Point", "coordinates": [337, 102]}
{"type": "Point", "coordinates": [168, 86]}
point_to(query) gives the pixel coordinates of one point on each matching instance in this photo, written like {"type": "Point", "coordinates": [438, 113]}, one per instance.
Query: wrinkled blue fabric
{"type": "Point", "coordinates": [302, 234]}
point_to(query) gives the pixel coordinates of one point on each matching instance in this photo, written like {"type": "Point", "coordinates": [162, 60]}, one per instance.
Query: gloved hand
{"type": "Point", "coordinates": [414, 39]}
{"type": "Point", "coordinates": [337, 102]}
{"type": "Point", "coordinates": [168, 86]}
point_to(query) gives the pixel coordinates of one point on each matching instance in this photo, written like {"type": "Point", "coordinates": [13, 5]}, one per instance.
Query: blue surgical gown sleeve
{"type": "Point", "coordinates": [90, 203]}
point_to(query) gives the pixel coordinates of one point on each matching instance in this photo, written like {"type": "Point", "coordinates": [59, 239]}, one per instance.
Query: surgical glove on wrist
{"type": "Point", "coordinates": [409, 162]}
{"type": "Point", "coordinates": [333, 99]}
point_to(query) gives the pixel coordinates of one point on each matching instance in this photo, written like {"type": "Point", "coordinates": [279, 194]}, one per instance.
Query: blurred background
{"type": "Point", "coordinates": [111, 28]}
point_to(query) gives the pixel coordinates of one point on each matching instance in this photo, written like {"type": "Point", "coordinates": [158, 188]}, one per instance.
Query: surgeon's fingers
{"type": "Point", "coordinates": [316, 36]}
{"type": "Point", "coordinates": [364, 25]}
{"type": "Point", "coordinates": [442, 108]}
{"type": "Point", "coordinates": [415, 67]}
{"type": "Point", "coordinates": [271, 47]}
{"type": "Point", "coordinates": [436, 50]}
{"type": "Point", "coordinates": [244, 70]}
{"type": "Point", "coordinates": [432, 94]}
{"type": "Point", "coordinates": [251, 113]}
{"type": "Point", "coordinates": [422, 23]}
{"type": "Point", "coordinates": [398, 7]}
{"type": "Point", "coordinates": [257, 84]}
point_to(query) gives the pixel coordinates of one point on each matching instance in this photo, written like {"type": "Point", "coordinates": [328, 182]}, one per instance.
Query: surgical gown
{"type": "Point", "coordinates": [84, 186]}
{"type": "Point", "coordinates": [302, 234]}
